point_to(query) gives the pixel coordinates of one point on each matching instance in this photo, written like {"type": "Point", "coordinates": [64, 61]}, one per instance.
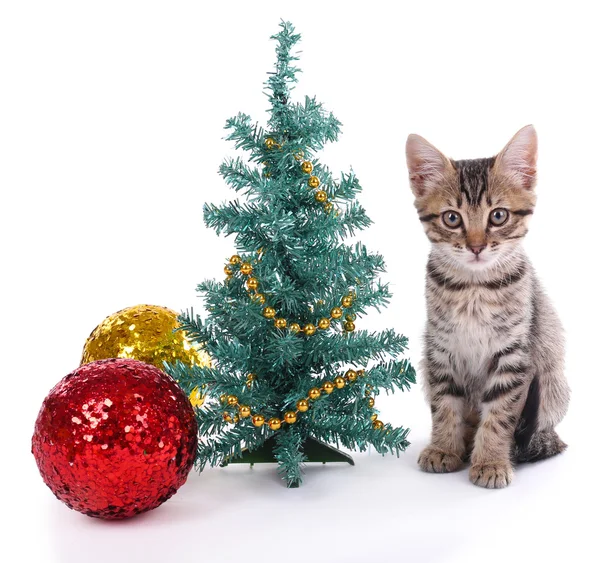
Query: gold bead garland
{"type": "Point", "coordinates": [307, 167]}
{"type": "Point", "coordinates": [302, 405]}
{"type": "Point", "coordinates": [252, 285]}
{"type": "Point", "coordinates": [314, 182]}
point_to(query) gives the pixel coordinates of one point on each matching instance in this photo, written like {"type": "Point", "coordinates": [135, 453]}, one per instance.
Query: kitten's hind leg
{"type": "Point", "coordinates": [533, 443]}
{"type": "Point", "coordinates": [543, 444]}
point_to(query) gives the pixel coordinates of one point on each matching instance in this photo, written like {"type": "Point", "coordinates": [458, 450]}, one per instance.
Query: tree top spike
{"type": "Point", "coordinates": [285, 74]}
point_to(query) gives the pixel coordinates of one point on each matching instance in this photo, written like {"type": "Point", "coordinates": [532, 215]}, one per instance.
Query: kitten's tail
{"type": "Point", "coordinates": [543, 444]}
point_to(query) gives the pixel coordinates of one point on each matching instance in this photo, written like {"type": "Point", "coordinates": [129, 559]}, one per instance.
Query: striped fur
{"type": "Point", "coordinates": [493, 362]}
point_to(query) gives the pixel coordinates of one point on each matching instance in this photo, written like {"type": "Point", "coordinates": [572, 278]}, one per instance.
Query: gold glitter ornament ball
{"type": "Point", "coordinates": [144, 333]}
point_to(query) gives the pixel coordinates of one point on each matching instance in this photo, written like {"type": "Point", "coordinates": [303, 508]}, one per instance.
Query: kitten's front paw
{"type": "Point", "coordinates": [495, 475]}
{"type": "Point", "coordinates": [434, 460]}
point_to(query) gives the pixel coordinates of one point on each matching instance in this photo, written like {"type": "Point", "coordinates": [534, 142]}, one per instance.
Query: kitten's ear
{"type": "Point", "coordinates": [518, 159]}
{"type": "Point", "coordinates": [426, 164]}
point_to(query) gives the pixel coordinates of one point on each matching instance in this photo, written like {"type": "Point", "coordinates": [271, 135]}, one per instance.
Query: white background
{"type": "Point", "coordinates": [111, 117]}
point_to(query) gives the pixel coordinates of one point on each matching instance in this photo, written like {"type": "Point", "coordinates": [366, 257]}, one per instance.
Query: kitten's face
{"type": "Point", "coordinates": [474, 211]}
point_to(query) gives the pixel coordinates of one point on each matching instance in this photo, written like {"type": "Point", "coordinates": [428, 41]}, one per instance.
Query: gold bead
{"type": "Point", "coordinates": [309, 329]}
{"type": "Point", "coordinates": [307, 167]}
{"type": "Point", "coordinates": [347, 301]}
{"type": "Point", "coordinates": [313, 182]}
{"type": "Point", "coordinates": [227, 417]}
{"type": "Point", "coordinates": [280, 323]}
{"type": "Point", "coordinates": [302, 405]}
{"type": "Point", "coordinates": [295, 327]}
{"type": "Point", "coordinates": [246, 268]}
{"type": "Point", "coordinates": [299, 154]}
{"type": "Point", "coordinates": [367, 392]}
{"type": "Point", "coordinates": [269, 312]}
{"type": "Point", "coordinates": [274, 423]}
{"type": "Point", "coordinates": [336, 312]}
{"type": "Point", "coordinates": [371, 402]}
{"type": "Point", "coordinates": [324, 323]}
{"type": "Point", "coordinates": [251, 377]}
{"type": "Point", "coordinates": [351, 375]}
{"type": "Point", "coordinates": [290, 417]}
{"type": "Point", "coordinates": [328, 387]}
{"type": "Point", "coordinates": [270, 143]}
{"type": "Point", "coordinates": [351, 317]}
{"type": "Point", "coordinates": [232, 400]}
{"type": "Point", "coordinates": [259, 298]}
{"type": "Point", "coordinates": [252, 283]}
{"type": "Point", "coordinates": [328, 207]}
{"type": "Point", "coordinates": [361, 373]}
{"type": "Point", "coordinates": [321, 196]}
{"type": "Point", "coordinates": [373, 417]}
{"type": "Point", "coordinates": [377, 424]}
{"type": "Point", "coordinates": [314, 393]}
{"type": "Point", "coordinates": [223, 399]}
{"type": "Point", "coordinates": [245, 411]}
{"type": "Point", "coordinates": [235, 260]}
{"type": "Point", "coordinates": [349, 326]}
{"type": "Point", "coordinates": [258, 420]}
{"type": "Point", "coordinates": [340, 382]}
{"type": "Point", "coordinates": [228, 271]}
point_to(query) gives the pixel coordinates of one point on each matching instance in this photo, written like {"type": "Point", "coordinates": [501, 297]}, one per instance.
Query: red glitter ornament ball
{"type": "Point", "coordinates": [115, 438]}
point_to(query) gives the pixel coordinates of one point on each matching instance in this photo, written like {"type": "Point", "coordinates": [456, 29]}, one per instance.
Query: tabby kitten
{"type": "Point", "coordinates": [493, 363]}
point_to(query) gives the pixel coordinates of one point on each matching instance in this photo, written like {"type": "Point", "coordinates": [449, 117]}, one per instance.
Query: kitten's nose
{"type": "Point", "coordinates": [476, 248]}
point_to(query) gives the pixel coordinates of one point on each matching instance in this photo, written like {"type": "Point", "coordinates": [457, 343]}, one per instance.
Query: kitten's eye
{"type": "Point", "coordinates": [452, 219]}
{"type": "Point", "coordinates": [498, 217]}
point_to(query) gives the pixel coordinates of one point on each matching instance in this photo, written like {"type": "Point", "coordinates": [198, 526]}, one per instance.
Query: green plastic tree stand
{"type": "Point", "coordinates": [315, 450]}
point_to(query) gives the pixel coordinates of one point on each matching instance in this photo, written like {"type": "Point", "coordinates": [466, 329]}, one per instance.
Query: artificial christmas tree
{"type": "Point", "coordinates": [289, 367]}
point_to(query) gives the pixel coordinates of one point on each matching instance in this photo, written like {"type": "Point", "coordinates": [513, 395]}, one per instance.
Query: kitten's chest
{"type": "Point", "coordinates": [472, 325]}
{"type": "Point", "coordinates": [473, 320]}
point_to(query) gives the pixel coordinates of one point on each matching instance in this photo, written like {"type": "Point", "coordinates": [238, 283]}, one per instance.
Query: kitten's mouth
{"type": "Point", "coordinates": [477, 261]}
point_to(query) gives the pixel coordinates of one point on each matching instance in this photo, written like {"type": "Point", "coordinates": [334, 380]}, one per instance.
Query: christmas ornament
{"type": "Point", "coordinates": [115, 438]}
{"type": "Point", "coordinates": [144, 333]}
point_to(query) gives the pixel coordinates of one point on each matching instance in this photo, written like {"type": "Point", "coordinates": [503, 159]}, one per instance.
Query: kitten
{"type": "Point", "coordinates": [493, 363]}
